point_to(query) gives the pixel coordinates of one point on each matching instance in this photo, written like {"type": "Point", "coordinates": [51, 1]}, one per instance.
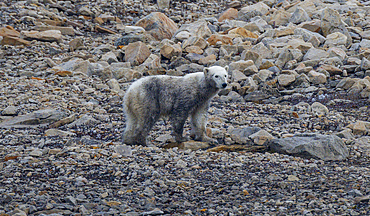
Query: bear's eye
{"type": "Point", "coordinates": [216, 76]}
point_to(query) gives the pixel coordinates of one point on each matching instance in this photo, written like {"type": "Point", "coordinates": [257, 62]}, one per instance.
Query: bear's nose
{"type": "Point", "coordinates": [224, 85]}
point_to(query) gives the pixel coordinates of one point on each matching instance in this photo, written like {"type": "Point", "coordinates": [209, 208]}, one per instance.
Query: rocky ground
{"type": "Point", "coordinates": [293, 126]}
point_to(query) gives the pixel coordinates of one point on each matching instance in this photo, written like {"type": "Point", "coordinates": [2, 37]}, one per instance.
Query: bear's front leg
{"type": "Point", "coordinates": [178, 122]}
{"type": "Point", "coordinates": [198, 123]}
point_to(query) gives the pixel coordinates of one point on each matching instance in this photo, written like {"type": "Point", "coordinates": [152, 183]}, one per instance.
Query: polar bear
{"type": "Point", "coordinates": [153, 97]}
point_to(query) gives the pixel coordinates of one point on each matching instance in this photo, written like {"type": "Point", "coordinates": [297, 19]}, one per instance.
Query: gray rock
{"type": "Point", "coordinates": [362, 145]}
{"type": "Point", "coordinates": [10, 111]}
{"type": "Point", "coordinates": [198, 28]}
{"type": "Point", "coordinates": [132, 38]}
{"type": "Point", "coordinates": [331, 22]}
{"type": "Point", "coordinates": [241, 135]}
{"type": "Point", "coordinates": [299, 15]}
{"type": "Point", "coordinates": [109, 57]}
{"type": "Point", "coordinates": [324, 147]}
{"type": "Point", "coordinates": [56, 132]}
{"type": "Point", "coordinates": [35, 119]}
{"type": "Point", "coordinates": [84, 120]}
{"type": "Point", "coordinates": [123, 150]}
{"type": "Point", "coordinates": [313, 54]}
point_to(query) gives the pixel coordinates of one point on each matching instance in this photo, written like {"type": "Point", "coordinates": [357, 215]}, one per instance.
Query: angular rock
{"type": "Point", "coordinates": [331, 22]}
{"type": "Point", "coordinates": [316, 77]}
{"type": "Point", "coordinates": [75, 43]}
{"type": "Point", "coordinates": [323, 147]}
{"type": "Point", "coordinates": [241, 135]}
{"type": "Point", "coordinates": [131, 38]}
{"type": "Point", "coordinates": [158, 25]}
{"type": "Point", "coordinates": [225, 40]}
{"type": "Point", "coordinates": [279, 18]}
{"type": "Point", "coordinates": [208, 60]}
{"type": "Point", "coordinates": [198, 28]}
{"type": "Point", "coordinates": [286, 79]}
{"type": "Point", "coordinates": [260, 7]}
{"type": "Point", "coordinates": [229, 14]}
{"type": "Point", "coordinates": [109, 57]}
{"type": "Point", "coordinates": [14, 41]}
{"type": "Point", "coordinates": [10, 111]}
{"type": "Point", "coordinates": [9, 31]}
{"type": "Point", "coordinates": [362, 145]}
{"type": "Point", "coordinates": [240, 65]}
{"type": "Point", "coordinates": [243, 32]}
{"type": "Point", "coordinates": [299, 16]}
{"type": "Point", "coordinates": [136, 53]}
{"type": "Point", "coordinates": [314, 53]}
{"type": "Point", "coordinates": [261, 137]}
{"type": "Point", "coordinates": [335, 39]}
{"type": "Point", "coordinates": [170, 49]}
{"type": "Point", "coordinates": [195, 41]}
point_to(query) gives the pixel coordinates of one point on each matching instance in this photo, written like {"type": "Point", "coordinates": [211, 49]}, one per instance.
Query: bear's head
{"type": "Point", "coordinates": [216, 76]}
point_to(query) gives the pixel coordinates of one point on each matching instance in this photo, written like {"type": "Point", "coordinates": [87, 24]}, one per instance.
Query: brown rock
{"type": "Point", "coordinates": [314, 25]}
{"type": "Point", "coordinates": [14, 41]}
{"type": "Point", "coordinates": [64, 30]}
{"type": "Point", "coordinates": [104, 30]}
{"type": "Point", "coordinates": [98, 20]}
{"type": "Point", "coordinates": [194, 49]}
{"type": "Point", "coordinates": [8, 31]}
{"type": "Point", "coordinates": [230, 14]}
{"type": "Point", "coordinates": [49, 36]}
{"type": "Point", "coordinates": [213, 39]}
{"type": "Point", "coordinates": [171, 50]}
{"type": "Point", "coordinates": [158, 25]}
{"type": "Point", "coordinates": [75, 43]}
{"type": "Point", "coordinates": [136, 53]}
{"type": "Point", "coordinates": [51, 22]}
{"type": "Point", "coordinates": [331, 69]}
{"type": "Point", "coordinates": [208, 60]}
{"type": "Point", "coordinates": [243, 32]}
{"type": "Point", "coordinates": [195, 41]}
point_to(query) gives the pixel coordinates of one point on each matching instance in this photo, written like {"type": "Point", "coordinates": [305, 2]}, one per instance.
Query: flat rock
{"type": "Point", "coordinates": [35, 119]}
{"type": "Point", "coordinates": [49, 35]}
{"type": "Point", "coordinates": [323, 147]}
{"type": "Point", "coordinates": [14, 41]}
{"type": "Point", "coordinates": [189, 145]}
{"type": "Point", "coordinates": [63, 30]}
{"type": "Point", "coordinates": [56, 132]}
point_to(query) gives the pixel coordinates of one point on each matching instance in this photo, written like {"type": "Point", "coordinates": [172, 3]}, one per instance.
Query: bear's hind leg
{"type": "Point", "coordinates": [130, 133]}
{"type": "Point", "coordinates": [146, 123]}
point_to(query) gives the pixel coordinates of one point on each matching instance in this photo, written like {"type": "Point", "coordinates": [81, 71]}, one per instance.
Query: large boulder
{"type": "Point", "coordinates": [324, 147]}
{"type": "Point", "coordinates": [158, 25]}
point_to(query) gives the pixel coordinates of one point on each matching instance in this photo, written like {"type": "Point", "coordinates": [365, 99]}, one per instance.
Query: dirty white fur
{"type": "Point", "coordinates": [152, 97]}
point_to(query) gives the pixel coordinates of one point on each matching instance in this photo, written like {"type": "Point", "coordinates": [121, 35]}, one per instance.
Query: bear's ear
{"type": "Point", "coordinates": [226, 68]}
{"type": "Point", "coordinates": [205, 71]}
